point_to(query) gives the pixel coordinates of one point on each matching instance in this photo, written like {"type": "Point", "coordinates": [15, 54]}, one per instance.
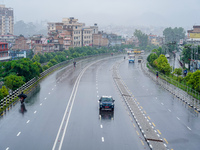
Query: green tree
{"type": "Point", "coordinates": [4, 91]}
{"type": "Point", "coordinates": [151, 58]}
{"type": "Point", "coordinates": [49, 64]}
{"type": "Point", "coordinates": [43, 58]}
{"type": "Point", "coordinates": [39, 66]}
{"type": "Point", "coordinates": [156, 51]}
{"type": "Point", "coordinates": [13, 82]}
{"type": "Point", "coordinates": [194, 80]}
{"type": "Point", "coordinates": [1, 95]}
{"type": "Point", "coordinates": [186, 53]}
{"type": "Point", "coordinates": [53, 61]}
{"type": "Point", "coordinates": [36, 58]}
{"type": "Point", "coordinates": [49, 56]}
{"type": "Point", "coordinates": [22, 67]}
{"type": "Point", "coordinates": [142, 38]}
{"type": "Point", "coordinates": [162, 64]}
{"type": "Point", "coordinates": [178, 72]}
{"type": "Point", "coordinates": [173, 35]}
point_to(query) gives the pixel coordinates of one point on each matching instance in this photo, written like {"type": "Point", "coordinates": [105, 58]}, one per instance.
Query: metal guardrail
{"type": "Point", "coordinates": [147, 129]}
{"type": "Point", "coordinates": [179, 93]}
{"type": "Point", "coordinates": [10, 99]}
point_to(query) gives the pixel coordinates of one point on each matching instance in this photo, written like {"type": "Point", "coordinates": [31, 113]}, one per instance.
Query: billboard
{"type": "Point", "coordinates": [195, 35]}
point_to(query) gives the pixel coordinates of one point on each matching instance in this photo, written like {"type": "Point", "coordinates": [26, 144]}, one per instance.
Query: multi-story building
{"type": "Point", "coordinates": [8, 38]}
{"type": "Point", "coordinates": [4, 56]}
{"type": "Point", "coordinates": [73, 33]}
{"type": "Point", "coordinates": [21, 44]}
{"type": "Point", "coordinates": [100, 39]}
{"type": "Point", "coordinates": [87, 36]}
{"type": "Point", "coordinates": [6, 20]}
{"type": "Point", "coordinates": [194, 35]}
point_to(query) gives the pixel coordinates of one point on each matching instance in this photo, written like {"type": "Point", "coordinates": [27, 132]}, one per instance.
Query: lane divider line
{"type": "Point", "coordinates": [18, 133]}
{"type": "Point", "coordinates": [68, 110]}
{"type": "Point", "coordinates": [102, 139]}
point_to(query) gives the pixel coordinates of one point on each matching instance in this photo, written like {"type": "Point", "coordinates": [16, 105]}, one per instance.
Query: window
{"type": "Point", "coordinates": [2, 46]}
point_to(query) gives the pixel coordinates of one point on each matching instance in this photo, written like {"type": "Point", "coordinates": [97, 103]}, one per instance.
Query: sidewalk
{"type": "Point", "coordinates": [179, 93]}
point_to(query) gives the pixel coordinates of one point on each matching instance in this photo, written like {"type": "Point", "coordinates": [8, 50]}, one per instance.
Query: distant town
{"type": "Point", "coordinates": [69, 32]}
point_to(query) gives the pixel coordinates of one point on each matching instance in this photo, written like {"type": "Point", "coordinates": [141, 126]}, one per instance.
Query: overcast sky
{"type": "Point", "coordinates": [107, 12]}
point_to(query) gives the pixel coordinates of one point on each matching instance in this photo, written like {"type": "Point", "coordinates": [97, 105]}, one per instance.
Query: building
{"type": "Point", "coordinates": [114, 40]}
{"type": "Point", "coordinates": [10, 39]}
{"type": "Point", "coordinates": [21, 44]}
{"type": "Point", "coordinates": [72, 32]}
{"type": "Point", "coordinates": [6, 20]}
{"type": "Point", "coordinates": [87, 36]}
{"type": "Point", "coordinates": [4, 55]}
{"type": "Point", "coordinates": [194, 35]}
{"type": "Point", "coordinates": [100, 39]}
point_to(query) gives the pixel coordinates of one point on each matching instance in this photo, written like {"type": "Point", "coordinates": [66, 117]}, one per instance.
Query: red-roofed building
{"type": "Point", "coordinates": [4, 56]}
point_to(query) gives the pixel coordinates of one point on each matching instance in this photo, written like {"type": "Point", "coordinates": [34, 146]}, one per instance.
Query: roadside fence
{"type": "Point", "coordinates": [12, 98]}
{"type": "Point", "coordinates": [185, 93]}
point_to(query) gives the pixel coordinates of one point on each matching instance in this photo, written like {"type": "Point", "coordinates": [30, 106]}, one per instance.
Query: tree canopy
{"type": "Point", "coordinates": [162, 64]}
{"type": "Point", "coordinates": [173, 35]}
{"type": "Point", "coordinates": [142, 38]}
{"type": "Point", "coordinates": [13, 81]}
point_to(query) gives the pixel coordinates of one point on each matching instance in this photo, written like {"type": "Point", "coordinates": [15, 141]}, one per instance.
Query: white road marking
{"type": "Point", "coordinates": [147, 89]}
{"type": "Point", "coordinates": [28, 121]}
{"type": "Point", "coordinates": [41, 104]}
{"type": "Point", "coordinates": [178, 118]}
{"type": "Point", "coordinates": [102, 139]}
{"type": "Point", "coordinates": [18, 133]}
{"type": "Point", "coordinates": [35, 112]}
{"type": "Point", "coordinates": [7, 148]}
{"type": "Point", "coordinates": [55, 85]}
{"type": "Point", "coordinates": [49, 93]}
{"type": "Point", "coordinates": [97, 88]}
{"type": "Point", "coordinates": [68, 110]}
{"type": "Point", "coordinates": [156, 97]}
{"type": "Point", "coordinates": [45, 98]}
{"type": "Point", "coordinates": [52, 88]}
{"type": "Point", "coordinates": [169, 110]}
{"type": "Point", "coordinates": [97, 95]}
{"type": "Point", "coordinates": [101, 126]}
{"type": "Point", "coordinates": [97, 92]}
{"type": "Point", "coordinates": [189, 128]}
{"type": "Point", "coordinates": [162, 104]}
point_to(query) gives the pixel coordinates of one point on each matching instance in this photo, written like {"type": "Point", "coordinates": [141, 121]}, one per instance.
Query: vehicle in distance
{"type": "Point", "coordinates": [131, 58]}
{"type": "Point", "coordinates": [139, 59]}
{"type": "Point", "coordinates": [106, 103]}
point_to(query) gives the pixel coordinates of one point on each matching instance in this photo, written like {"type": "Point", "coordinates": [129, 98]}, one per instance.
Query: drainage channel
{"type": "Point", "coordinates": [153, 140]}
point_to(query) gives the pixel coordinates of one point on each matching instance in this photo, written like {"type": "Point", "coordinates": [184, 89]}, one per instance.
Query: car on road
{"type": "Point", "coordinates": [140, 59]}
{"type": "Point", "coordinates": [106, 103]}
{"type": "Point", "coordinates": [131, 58]}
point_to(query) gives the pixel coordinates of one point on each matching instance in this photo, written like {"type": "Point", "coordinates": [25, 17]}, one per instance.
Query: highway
{"type": "Point", "coordinates": [62, 112]}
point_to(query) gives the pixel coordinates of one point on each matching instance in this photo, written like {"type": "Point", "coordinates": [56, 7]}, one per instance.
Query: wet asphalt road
{"type": "Point", "coordinates": [174, 121]}
{"type": "Point", "coordinates": [37, 127]}
{"type": "Point", "coordinates": [87, 128]}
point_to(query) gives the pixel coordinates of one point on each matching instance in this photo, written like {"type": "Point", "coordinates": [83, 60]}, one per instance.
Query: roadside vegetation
{"type": "Point", "coordinates": [17, 72]}
{"type": "Point", "coordinates": [158, 62]}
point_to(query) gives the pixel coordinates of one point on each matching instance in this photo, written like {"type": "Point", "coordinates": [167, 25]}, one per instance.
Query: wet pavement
{"type": "Point", "coordinates": [36, 124]}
